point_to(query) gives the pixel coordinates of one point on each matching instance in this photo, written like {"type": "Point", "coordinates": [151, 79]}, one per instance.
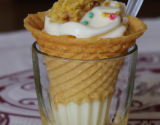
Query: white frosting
{"type": "Point", "coordinates": [99, 20]}
{"type": "Point", "coordinates": [118, 32]}
{"type": "Point", "coordinates": [96, 25]}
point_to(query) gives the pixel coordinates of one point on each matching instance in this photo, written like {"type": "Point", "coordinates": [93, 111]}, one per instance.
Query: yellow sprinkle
{"type": "Point", "coordinates": [107, 3]}
{"type": "Point", "coordinates": [118, 5]}
{"type": "Point", "coordinates": [117, 13]}
{"type": "Point", "coordinates": [105, 14]}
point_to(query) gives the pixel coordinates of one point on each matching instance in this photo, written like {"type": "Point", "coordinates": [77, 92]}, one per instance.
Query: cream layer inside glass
{"type": "Point", "coordinates": [94, 113]}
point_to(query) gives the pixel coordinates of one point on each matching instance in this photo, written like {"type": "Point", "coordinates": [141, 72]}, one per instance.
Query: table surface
{"type": "Point", "coordinates": [18, 105]}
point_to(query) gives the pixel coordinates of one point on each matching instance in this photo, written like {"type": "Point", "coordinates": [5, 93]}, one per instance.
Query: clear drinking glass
{"type": "Point", "coordinates": [84, 92]}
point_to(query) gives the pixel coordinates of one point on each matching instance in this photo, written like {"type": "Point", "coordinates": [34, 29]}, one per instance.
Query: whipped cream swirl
{"type": "Point", "coordinates": [98, 25]}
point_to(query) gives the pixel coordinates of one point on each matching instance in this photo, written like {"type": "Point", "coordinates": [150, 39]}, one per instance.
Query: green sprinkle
{"type": "Point", "coordinates": [85, 22]}
{"type": "Point", "coordinates": [90, 15]}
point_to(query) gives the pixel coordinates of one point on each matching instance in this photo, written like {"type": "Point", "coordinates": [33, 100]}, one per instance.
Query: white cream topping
{"type": "Point", "coordinates": [98, 19]}
{"type": "Point", "coordinates": [118, 32]}
{"type": "Point", "coordinates": [97, 25]}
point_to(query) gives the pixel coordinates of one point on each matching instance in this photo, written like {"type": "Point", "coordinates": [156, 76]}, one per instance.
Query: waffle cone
{"type": "Point", "coordinates": [66, 47]}
{"type": "Point", "coordinates": [82, 81]}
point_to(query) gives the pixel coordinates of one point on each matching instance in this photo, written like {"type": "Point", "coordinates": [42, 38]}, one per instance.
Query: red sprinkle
{"type": "Point", "coordinates": [112, 16]}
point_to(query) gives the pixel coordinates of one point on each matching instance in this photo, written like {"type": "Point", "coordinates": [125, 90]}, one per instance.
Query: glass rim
{"type": "Point", "coordinates": [34, 48]}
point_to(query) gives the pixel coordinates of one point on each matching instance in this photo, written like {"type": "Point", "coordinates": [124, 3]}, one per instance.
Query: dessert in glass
{"type": "Point", "coordinates": [84, 61]}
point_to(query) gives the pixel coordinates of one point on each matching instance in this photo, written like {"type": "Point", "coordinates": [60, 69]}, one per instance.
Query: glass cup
{"type": "Point", "coordinates": [84, 92]}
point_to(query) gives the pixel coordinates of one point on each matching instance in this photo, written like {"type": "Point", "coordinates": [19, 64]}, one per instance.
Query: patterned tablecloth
{"type": "Point", "coordinates": [18, 103]}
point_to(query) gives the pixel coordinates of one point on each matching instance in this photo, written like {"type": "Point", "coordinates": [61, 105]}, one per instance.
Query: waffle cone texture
{"type": "Point", "coordinates": [67, 47]}
{"type": "Point", "coordinates": [81, 82]}
{"type": "Point", "coordinates": [85, 81]}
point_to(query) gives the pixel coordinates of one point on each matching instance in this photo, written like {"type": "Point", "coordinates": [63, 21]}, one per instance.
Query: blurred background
{"type": "Point", "coordinates": [12, 12]}
{"type": "Point", "coordinates": [18, 103]}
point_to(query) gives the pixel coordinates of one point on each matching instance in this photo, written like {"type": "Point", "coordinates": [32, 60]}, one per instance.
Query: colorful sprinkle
{"type": "Point", "coordinates": [85, 22]}
{"type": "Point", "coordinates": [90, 15]}
{"type": "Point", "coordinates": [112, 17]}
